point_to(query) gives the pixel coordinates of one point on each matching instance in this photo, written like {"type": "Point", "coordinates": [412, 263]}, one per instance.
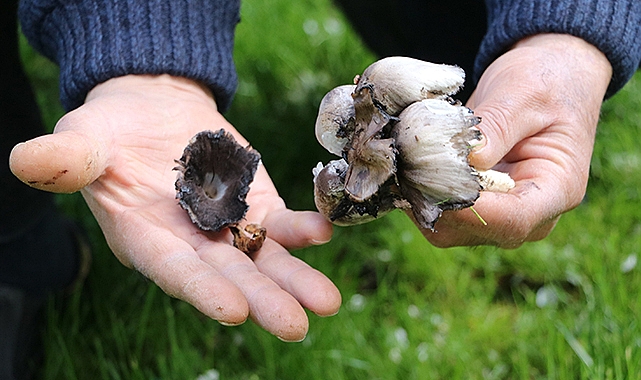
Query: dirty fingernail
{"type": "Point", "coordinates": [478, 141]}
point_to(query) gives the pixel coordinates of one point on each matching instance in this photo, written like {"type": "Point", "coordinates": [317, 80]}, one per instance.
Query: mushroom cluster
{"type": "Point", "coordinates": [403, 142]}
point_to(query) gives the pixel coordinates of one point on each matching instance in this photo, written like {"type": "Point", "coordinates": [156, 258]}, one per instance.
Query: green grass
{"type": "Point", "coordinates": [562, 308]}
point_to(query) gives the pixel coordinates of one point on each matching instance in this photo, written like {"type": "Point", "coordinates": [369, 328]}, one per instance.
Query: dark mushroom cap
{"type": "Point", "coordinates": [213, 180]}
{"type": "Point", "coordinates": [334, 202]}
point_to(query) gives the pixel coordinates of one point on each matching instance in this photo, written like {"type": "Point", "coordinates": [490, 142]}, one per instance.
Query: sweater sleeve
{"type": "Point", "coordinates": [96, 40]}
{"type": "Point", "coordinates": [613, 26]}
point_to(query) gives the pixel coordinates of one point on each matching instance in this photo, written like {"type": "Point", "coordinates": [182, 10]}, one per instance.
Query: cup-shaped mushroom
{"type": "Point", "coordinates": [397, 82]}
{"type": "Point", "coordinates": [432, 138]}
{"type": "Point", "coordinates": [335, 112]}
{"type": "Point", "coordinates": [214, 174]}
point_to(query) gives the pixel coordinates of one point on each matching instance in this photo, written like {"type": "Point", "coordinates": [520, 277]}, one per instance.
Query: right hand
{"type": "Point", "coordinates": [540, 105]}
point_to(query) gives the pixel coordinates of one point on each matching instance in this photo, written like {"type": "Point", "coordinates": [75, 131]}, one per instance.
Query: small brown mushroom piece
{"type": "Point", "coordinates": [249, 239]}
{"type": "Point", "coordinates": [214, 174]}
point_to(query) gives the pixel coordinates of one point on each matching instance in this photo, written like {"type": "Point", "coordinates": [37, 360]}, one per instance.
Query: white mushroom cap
{"type": "Point", "coordinates": [397, 82]}
{"type": "Point", "coordinates": [432, 139]}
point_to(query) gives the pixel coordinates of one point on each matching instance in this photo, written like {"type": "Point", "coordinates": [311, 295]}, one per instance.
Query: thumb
{"type": "Point", "coordinates": [63, 162]}
{"type": "Point", "coordinates": [504, 124]}
{"type": "Point", "coordinates": [495, 141]}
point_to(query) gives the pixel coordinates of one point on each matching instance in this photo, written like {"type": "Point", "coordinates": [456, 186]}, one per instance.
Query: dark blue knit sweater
{"type": "Point", "coordinates": [613, 26]}
{"type": "Point", "coordinates": [94, 40]}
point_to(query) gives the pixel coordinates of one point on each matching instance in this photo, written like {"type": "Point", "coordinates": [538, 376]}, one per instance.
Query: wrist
{"type": "Point", "coordinates": [178, 88]}
{"type": "Point", "coordinates": [95, 40]}
{"type": "Point", "coordinates": [574, 53]}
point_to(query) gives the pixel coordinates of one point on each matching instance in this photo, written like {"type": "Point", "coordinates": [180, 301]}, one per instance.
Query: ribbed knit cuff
{"type": "Point", "coordinates": [613, 26]}
{"type": "Point", "coordinates": [96, 40]}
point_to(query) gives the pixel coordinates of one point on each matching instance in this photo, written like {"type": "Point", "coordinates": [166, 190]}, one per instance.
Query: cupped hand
{"type": "Point", "coordinates": [119, 150]}
{"type": "Point", "coordinates": [539, 104]}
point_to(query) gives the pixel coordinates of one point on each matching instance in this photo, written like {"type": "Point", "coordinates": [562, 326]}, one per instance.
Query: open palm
{"type": "Point", "coordinates": [119, 149]}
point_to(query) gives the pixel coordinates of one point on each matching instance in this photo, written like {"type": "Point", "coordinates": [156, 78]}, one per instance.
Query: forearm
{"type": "Point", "coordinates": [613, 27]}
{"type": "Point", "coordinates": [94, 41]}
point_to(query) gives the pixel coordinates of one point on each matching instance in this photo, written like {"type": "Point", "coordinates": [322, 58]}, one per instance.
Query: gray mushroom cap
{"type": "Point", "coordinates": [370, 154]}
{"type": "Point", "coordinates": [333, 201]}
{"type": "Point", "coordinates": [335, 112]}
{"type": "Point", "coordinates": [432, 138]}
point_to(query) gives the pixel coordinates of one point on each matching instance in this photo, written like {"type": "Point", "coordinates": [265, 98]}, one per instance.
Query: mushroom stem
{"type": "Point", "coordinates": [498, 182]}
{"type": "Point", "coordinates": [249, 239]}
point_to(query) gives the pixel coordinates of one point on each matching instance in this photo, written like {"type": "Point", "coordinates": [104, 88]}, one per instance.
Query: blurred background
{"type": "Point", "coordinates": [567, 307]}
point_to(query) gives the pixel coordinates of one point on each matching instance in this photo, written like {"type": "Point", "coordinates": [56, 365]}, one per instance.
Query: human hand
{"type": "Point", "coordinates": [119, 150]}
{"type": "Point", "coordinates": [539, 105]}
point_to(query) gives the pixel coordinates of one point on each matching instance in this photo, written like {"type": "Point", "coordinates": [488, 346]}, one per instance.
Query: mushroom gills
{"type": "Point", "coordinates": [214, 174]}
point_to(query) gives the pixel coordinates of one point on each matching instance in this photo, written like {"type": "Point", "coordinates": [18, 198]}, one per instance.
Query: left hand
{"type": "Point", "coordinates": [119, 148]}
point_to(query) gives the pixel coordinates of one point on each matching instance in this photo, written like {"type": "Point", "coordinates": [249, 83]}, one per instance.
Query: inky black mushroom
{"type": "Point", "coordinates": [335, 204]}
{"type": "Point", "coordinates": [213, 180]}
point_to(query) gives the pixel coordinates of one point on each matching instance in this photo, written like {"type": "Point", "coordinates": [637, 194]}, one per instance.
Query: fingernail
{"type": "Point", "coordinates": [332, 314]}
{"type": "Point", "coordinates": [478, 141]}
{"type": "Point", "coordinates": [231, 324]}
{"type": "Point", "coordinates": [320, 242]}
{"type": "Point", "coordinates": [291, 340]}
{"type": "Point", "coordinates": [319, 229]}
